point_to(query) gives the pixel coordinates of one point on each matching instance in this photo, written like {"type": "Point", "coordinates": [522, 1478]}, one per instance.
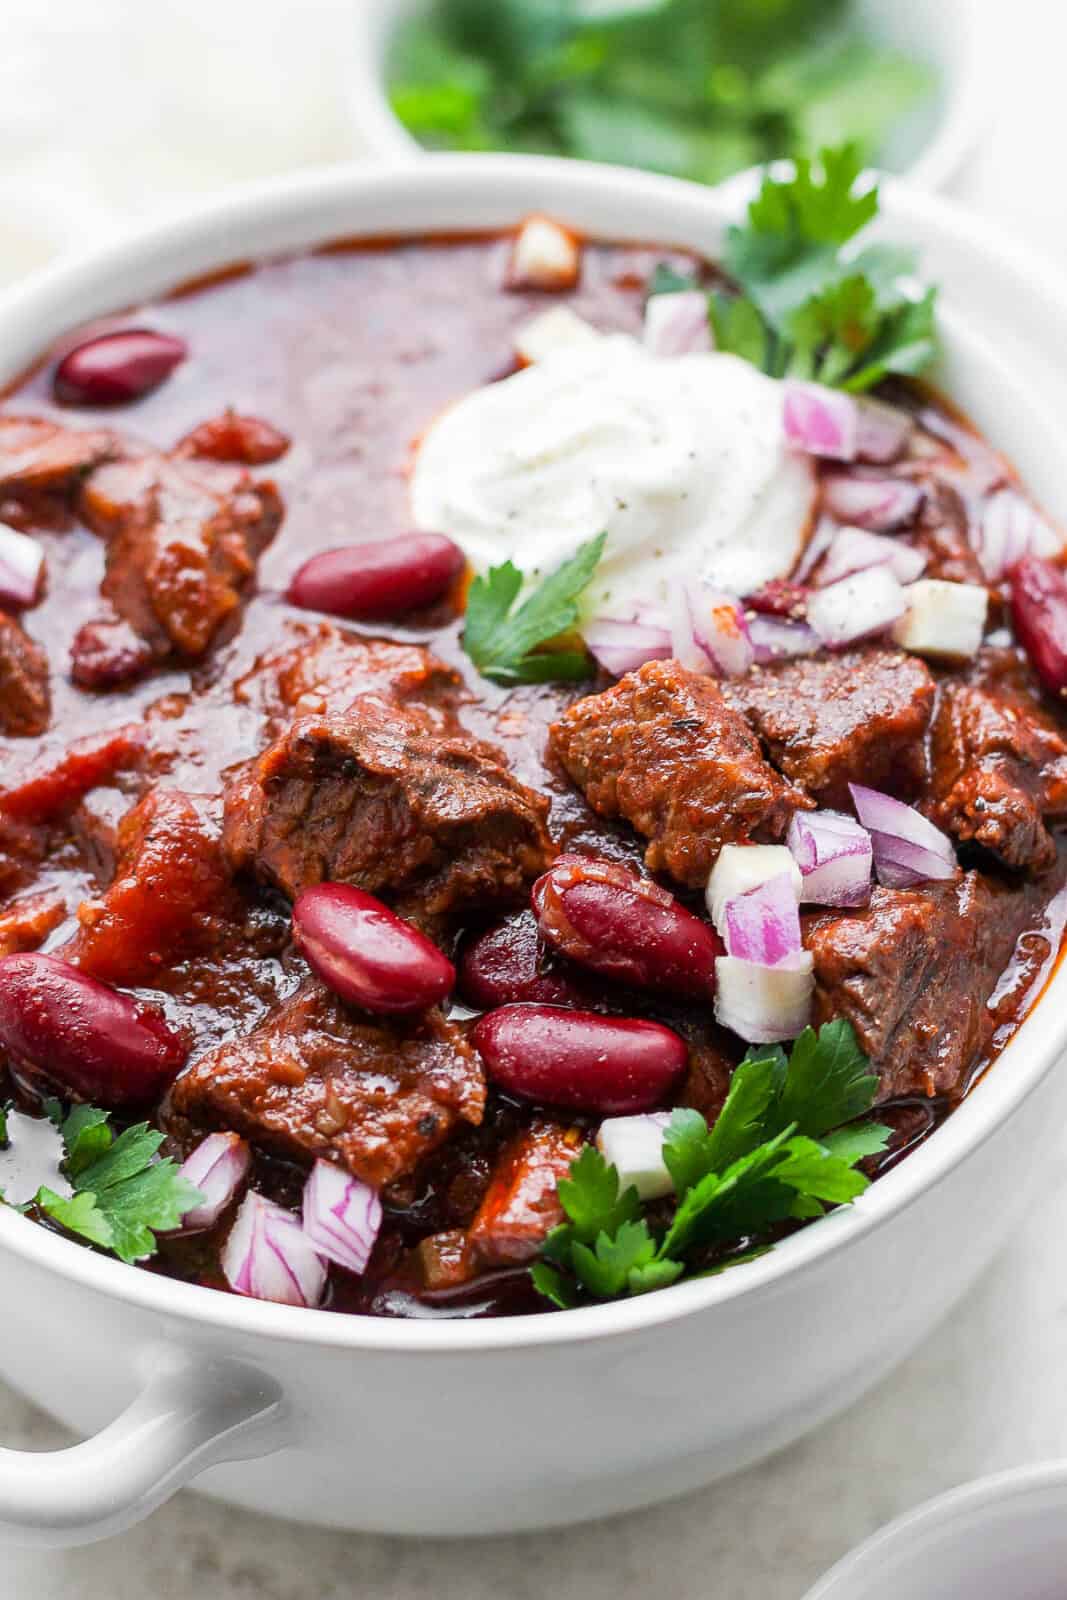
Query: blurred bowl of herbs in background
{"type": "Point", "coordinates": [696, 89]}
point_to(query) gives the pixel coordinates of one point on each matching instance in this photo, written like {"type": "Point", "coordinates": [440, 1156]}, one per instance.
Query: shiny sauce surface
{"type": "Point", "coordinates": [351, 351]}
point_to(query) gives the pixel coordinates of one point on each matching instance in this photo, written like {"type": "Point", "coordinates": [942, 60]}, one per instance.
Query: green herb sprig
{"type": "Point", "coordinates": [505, 643]}
{"type": "Point", "coordinates": [122, 1194]}
{"type": "Point", "coordinates": [695, 88]}
{"type": "Point", "coordinates": [785, 1146]}
{"type": "Point", "coordinates": [813, 304]}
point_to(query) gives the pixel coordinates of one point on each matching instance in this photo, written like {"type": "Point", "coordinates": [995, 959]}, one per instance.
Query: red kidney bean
{"type": "Point", "coordinates": [1039, 612]}
{"type": "Point", "coordinates": [379, 581]}
{"type": "Point", "coordinates": [579, 1059]}
{"type": "Point", "coordinates": [504, 964]}
{"type": "Point", "coordinates": [115, 368]}
{"type": "Point", "coordinates": [624, 927]}
{"type": "Point", "coordinates": [85, 1037]}
{"type": "Point", "coordinates": [366, 954]}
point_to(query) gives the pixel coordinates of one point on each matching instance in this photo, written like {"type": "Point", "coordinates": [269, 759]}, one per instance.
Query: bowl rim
{"type": "Point", "coordinates": [292, 208]}
{"type": "Point", "coordinates": [1018, 1484]}
{"type": "Point", "coordinates": [965, 116]}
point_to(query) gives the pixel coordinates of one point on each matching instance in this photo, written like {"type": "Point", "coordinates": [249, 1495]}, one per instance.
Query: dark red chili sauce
{"type": "Point", "coordinates": [349, 353]}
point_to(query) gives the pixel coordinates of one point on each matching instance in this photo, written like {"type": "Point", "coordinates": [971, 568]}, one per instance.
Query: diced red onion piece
{"type": "Point", "coordinates": [908, 849]}
{"type": "Point", "coordinates": [1011, 528]}
{"type": "Point", "coordinates": [764, 1005]}
{"type": "Point", "coordinates": [622, 647]}
{"type": "Point", "coordinates": [820, 421]}
{"type": "Point", "coordinates": [763, 925]}
{"type": "Point", "coordinates": [684, 645]}
{"type": "Point", "coordinates": [834, 855]}
{"type": "Point", "coordinates": [710, 627]}
{"type": "Point", "coordinates": [653, 616]}
{"type": "Point", "coordinates": [816, 547]}
{"type": "Point", "coordinates": [342, 1216]}
{"type": "Point", "coordinates": [778, 639]}
{"type": "Point", "coordinates": [884, 431]}
{"type": "Point", "coordinates": [269, 1256]}
{"type": "Point", "coordinates": [853, 550]}
{"type": "Point", "coordinates": [986, 468]}
{"type": "Point", "coordinates": [866, 603]}
{"type": "Point", "coordinates": [677, 324]}
{"type": "Point", "coordinates": [21, 560]}
{"type": "Point", "coordinates": [217, 1167]}
{"type": "Point", "coordinates": [881, 505]}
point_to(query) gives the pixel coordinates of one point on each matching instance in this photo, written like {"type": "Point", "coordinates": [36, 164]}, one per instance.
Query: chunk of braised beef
{"type": "Point", "coordinates": [521, 1205]}
{"type": "Point", "coordinates": [108, 653]}
{"type": "Point", "coordinates": [999, 763]}
{"type": "Point", "coordinates": [316, 1079]}
{"type": "Point", "coordinates": [383, 797]}
{"type": "Point", "coordinates": [183, 541]}
{"type": "Point", "coordinates": [665, 750]}
{"type": "Point", "coordinates": [713, 1056]}
{"type": "Point", "coordinates": [25, 691]}
{"type": "Point", "coordinates": [246, 441]}
{"type": "Point", "coordinates": [38, 454]}
{"type": "Point", "coordinates": [913, 973]}
{"type": "Point", "coordinates": [326, 668]}
{"type": "Point", "coordinates": [172, 896]}
{"type": "Point", "coordinates": [828, 721]}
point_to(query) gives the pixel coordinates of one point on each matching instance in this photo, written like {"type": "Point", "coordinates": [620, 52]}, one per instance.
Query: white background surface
{"type": "Point", "coordinates": [113, 108]}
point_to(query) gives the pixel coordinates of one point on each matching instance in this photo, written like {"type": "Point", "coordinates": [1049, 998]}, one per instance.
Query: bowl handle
{"type": "Point", "coordinates": [185, 1420]}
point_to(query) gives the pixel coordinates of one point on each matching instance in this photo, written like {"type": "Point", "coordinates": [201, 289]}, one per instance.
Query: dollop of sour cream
{"type": "Point", "coordinates": [682, 462]}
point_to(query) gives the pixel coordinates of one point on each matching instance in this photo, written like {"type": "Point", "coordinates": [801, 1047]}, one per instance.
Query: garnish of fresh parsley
{"type": "Point", "coordinates": [695, 88]}
{"type": "Point", "coordinates": [785, 1145]}
{"type": "Point", "coordinates": [506, 642]}
{"type": "Point", "coordinates": [814, 303]}
{"type": "Point", "coordinates": [122, 1194]}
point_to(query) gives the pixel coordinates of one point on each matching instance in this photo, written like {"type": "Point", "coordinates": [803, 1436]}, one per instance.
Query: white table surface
{"type": "Point", "coordinates": [118, 107]}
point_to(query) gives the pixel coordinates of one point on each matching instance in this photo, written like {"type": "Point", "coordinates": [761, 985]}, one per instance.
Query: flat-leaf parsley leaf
{"type": "Point", "coordinates": [123, 1194]}
{"type": "Point", "coordinates": [812, 303]}
{"type": "Point", "coordinates": [505, 643]}
{"type": "Point", "coordinates": [777, 1152]}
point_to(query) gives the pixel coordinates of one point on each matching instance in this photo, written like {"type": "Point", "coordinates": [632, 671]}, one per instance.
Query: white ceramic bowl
{"type": "Point", "coordinates": [468, 1428]}
{"type": "Point", "coordinates": [955, 36]}
{"type": "Point", "coordinates": [1003, 1538]}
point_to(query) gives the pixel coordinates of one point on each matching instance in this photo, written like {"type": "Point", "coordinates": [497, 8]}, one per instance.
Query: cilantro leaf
{"type": "Point", "coordinates": [122, 1193]}
{"type": "Point", "coordinates": [590, 1196]}
{"type": "Point", "coordinates": [700, 88]}
{"type": "Point", "coordinates": [606, 1268]}
{"type": "Point", "coordinates": [785, 1146]}
{"type": "Point", "coordinates": [85, 1134]}
{"type": "Point", "coordinates": [78, 1213]}
{"type": "Point", "coordinates": [858, 1141]}
{"type": "Point", "coordinates": [654, 1275]}
{"type": "Point", "coordinates": [827, 1081]}
{"type": "Point", "coordinates": [3, 1124]}
{"type": "Point", "coordinates": [812, 304]}
{"type": "Point", "coordinates": [502, 642]}
{"type": "Point", "coordinates": [550, 1282]}
{"type": "Point", "coordinates": [740, 330]}
{"type": "Point", "coordinates": [743, 1200]}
